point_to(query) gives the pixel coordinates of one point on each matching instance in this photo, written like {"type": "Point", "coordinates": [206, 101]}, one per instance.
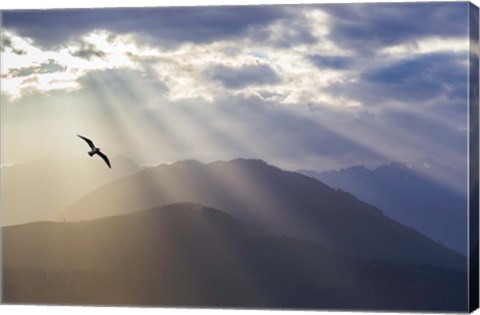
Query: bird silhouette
{"type": "Point", "coordinates": [96, 150]}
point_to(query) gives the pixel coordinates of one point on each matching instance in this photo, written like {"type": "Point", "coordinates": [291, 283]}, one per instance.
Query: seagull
{"type": "Point", "coordinates": [95, 150]}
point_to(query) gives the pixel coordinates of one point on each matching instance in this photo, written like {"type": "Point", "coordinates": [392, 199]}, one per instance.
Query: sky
{"type": "Point", "coordinates": [316, 87]}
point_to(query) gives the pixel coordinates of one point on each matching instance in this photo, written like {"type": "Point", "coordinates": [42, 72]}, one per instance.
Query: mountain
{"type": "Point", "coordinates": [191, 255]}
{"type": "Point", "coordinates": [272, 200]}
{"type": "Point", "coordinates": [40, 189]}
{"type": "Point", "coordinates": [413, 194]}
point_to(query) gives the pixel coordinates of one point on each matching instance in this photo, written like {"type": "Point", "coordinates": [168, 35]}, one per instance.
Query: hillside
{"type": "Point", "coordinates": [191, 255]}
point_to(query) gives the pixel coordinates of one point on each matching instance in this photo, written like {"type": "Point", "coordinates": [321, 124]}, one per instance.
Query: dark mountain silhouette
{"type": "Point", "coordinates": [39, 190]}
{"type": "Point", "coordinates": [273, 200]}
{"type": "Point", "coordinates": [413, 194]}
{"type": "Point", "coordinates": [191, 255]}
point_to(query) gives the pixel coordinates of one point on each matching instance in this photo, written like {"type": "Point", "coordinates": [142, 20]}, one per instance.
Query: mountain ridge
{"type": "Point", "coordinates": [409, 196]}
{"type": "Point", "coordinates": [271, 199]}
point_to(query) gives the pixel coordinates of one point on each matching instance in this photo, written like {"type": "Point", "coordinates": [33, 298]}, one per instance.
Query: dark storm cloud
{"type": "Point", "coordinates": [330, 62]}
{"type": "Point", "coordinates": [370, 26]}
{"type": "Point", "coordinates": [47, 67]}
{"type": "Point", "coordinates": [411, 80]}
{"type": "Point", "coordinates": [237, 78]}
{"type": "Point", "coordinates": [167, 25]}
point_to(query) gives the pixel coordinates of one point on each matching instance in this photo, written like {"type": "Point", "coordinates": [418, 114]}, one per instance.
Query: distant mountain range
{"type": "Point", "coordinates": [271, 200]}
{"type": "Point", "coordinates": [424, 195]}
{"type": "Point", "coordinates": [40, 189]}
{"type": "Point", "coordinates": [191, 255]}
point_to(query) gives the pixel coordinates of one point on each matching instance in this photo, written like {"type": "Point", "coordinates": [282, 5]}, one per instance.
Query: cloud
{"type": "Point", "coordinates": [331, 62]}
{"type": "Point", "coordinates": [237, 78]}
{"type": "Point", "coordinates": [50, 66]}
{"type": "Point", "coordinates": [414, 80]}
{"type": "Point", "coordinates": [423, 77]}
{"type": "Point", "coordinates": [7, 44]}
{"type": "Point", "coordinates": [427, 45]}
{"type": "Point", "coordinates": [167, 26]}
{"type": "Point", "coordinates": [372, 26]}
{"type": "Point", "coordinates": [285, 33]}
{"type": "Point", "coordinates": [321, 87]}
{"type": "Point", "coordinates": [88, 51]}
{"type": "Point", "coordinates": [49, 69]}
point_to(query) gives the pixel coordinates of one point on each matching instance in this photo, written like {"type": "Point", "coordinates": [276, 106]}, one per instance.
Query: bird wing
{"type": "Point", "coordinates": [90, 143]}
{"type": "Point", "coordinates": [105, 158]}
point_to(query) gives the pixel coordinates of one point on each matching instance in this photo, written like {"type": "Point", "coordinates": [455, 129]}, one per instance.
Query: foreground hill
{"type": "Point", "coordinates": [416, 194]}
{"type": "Point", "coordinates": [40, 189]}
{"type": "Point", "coordinates": [191, 255]}
{"type": "Point", "coordinates": [272, 200]}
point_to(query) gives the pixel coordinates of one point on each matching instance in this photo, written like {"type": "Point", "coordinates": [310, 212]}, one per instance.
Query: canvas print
{"type": "Point", "coordinates": [316, 156]}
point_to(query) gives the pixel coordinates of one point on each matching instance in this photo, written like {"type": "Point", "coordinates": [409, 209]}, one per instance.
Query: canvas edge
{"type": "Point", "coordinates": [1, 154]}
{"type": "Point", "coordinates": [473, 152]}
